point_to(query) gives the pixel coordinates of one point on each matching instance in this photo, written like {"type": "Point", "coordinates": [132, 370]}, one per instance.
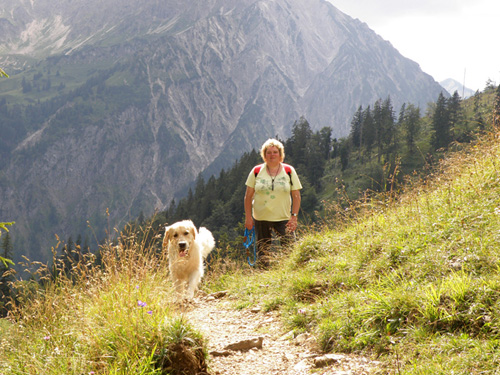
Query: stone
{"type": "Point", "coordinates": [327, 360]}
{"type": "Point", "coordinates": [246, 345]}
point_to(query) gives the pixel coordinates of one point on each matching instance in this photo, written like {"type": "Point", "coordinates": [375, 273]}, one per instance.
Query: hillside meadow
{"type": "Point", "coordinates": [410, 280]}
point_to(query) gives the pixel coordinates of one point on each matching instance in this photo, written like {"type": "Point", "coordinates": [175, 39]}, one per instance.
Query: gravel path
{"type": "Point", "coordinates": [251, 342]}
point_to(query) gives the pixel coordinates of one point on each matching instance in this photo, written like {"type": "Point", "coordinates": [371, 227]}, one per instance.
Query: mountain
{"type": "Point", "coordinates": [114, 106]}
{"type": "Point", "coordinates": [451, 85]}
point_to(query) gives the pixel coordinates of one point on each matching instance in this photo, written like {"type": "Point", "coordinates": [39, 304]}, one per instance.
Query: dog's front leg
{"type": "Point", "coordinates": [179, 286]}
{"type": "Point", "coordinates": [194, 280]}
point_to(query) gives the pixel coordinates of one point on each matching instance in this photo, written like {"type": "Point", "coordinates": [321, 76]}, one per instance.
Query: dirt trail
{"type": "Point", "coordinates": [279, 353]}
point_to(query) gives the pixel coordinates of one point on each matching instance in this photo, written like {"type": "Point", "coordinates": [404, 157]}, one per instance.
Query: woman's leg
{"type": "Point", "coordinates": [284, 235]}
{"type": "Point", "coordinates": [263, 240]}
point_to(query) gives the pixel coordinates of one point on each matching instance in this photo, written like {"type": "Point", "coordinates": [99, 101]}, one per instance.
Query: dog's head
{"type": "Point", "coordinates": [179, 237]}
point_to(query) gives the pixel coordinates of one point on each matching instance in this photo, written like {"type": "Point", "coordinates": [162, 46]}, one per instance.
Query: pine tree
{"type": "Point", "coordinates": [368, 131]}
{"type": "Point", "coordinates": [296, 145]}
{"type": "Point", "coordinates": [496, 109]}
{"type": "Point", "coordinates": [356, 133]}
{"type": "Point", "coordinates": [315, 160]}
{"type": "Point", "coordinates": [401, 117]}
{"type": "Point", "coordinates": [378, 124]}
{"type": "Point", "coordinates": [440, 124]}
{"type": "Point", "coordinates": [456, 117]}
{"type": "Point", "coordinates": [478, 117]}
{"type": "Point", "coordinates": [325, 143]}
{"type": "Point", "coordinates": [344, 155]}
{"type": "Point", "coordinates": [411, 126]}
{"type": "Point", "coordinates": [389, 126]}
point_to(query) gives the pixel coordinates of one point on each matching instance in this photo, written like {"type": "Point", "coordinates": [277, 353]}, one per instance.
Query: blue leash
{"type": "Point", "coordinates": [249, 239]}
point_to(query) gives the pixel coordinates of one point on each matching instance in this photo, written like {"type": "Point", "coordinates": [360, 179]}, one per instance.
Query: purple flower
{"type": "Point", "coordinates": [150, 312]}
{"type": "Point", "coordinates": [141, 304]}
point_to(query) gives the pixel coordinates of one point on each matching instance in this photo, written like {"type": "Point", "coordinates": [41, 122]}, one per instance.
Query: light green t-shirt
{"type": "Point", "coordinates": [272, 204]}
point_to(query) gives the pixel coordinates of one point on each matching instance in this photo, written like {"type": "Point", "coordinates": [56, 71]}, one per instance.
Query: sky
{"type": "Point", "coordinates": [448, 38]}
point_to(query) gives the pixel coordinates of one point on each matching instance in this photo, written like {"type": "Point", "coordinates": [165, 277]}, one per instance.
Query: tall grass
{"type": "Point", "coordinates": [412, 280]}
{"type": "Point", "coordinates": [115, 318]}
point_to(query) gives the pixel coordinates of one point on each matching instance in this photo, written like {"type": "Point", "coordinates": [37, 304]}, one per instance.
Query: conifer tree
{"type": "Point", "coordinates": [344, 155]}
{"type": "Point", "coordinates": [378, 123]}
{"type": "Point", "coordinates": [441, 124]}
{"type": "Point", "coordinates": [315, 160]}
{"type": "Point", "coordinates": [411, 126]}
{"type": "Point", "coordinates": [368, 131]}
{"type": "Point", "coordinates": [402, 115]}
{"type": "Point", "coordinates": [356, 132]}
{"type": "Point", "coordinates": [325, 143]}
{"type": "Point", "coordinates": [496, 109]}
{"type": "Point", "coordinates": [389, 139]}
{"type": "Point", "coordinates": [456, 116]}
{"type": "Point", "coordinates": [296, 145]}
{"type": "Point", "coordinates": [478, 117]}
{"type": "Point", "coordinates": [200, 201]}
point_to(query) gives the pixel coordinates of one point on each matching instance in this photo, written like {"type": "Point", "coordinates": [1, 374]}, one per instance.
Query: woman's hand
{"type": "Point", "coordinates": [249, 223]}
{"type": "Point", "coordinates": [292, 224]}
{"type": "Point", "coordinates": [248, 207]}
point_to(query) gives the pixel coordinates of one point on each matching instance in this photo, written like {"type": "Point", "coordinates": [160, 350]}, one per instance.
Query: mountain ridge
{"type": "Point", "coordinates": [124, 122]}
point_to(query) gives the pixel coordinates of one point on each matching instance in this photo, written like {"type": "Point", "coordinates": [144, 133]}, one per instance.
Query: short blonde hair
{"type": "Point", "coordinates": [272, 143]}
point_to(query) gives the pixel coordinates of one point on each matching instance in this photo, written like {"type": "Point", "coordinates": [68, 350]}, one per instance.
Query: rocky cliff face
{"type": "Point", "coordinates": [146, 95]}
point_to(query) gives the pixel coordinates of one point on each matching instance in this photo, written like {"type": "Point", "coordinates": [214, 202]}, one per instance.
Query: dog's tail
{"type": "Point", "coordinates": [206, 240]}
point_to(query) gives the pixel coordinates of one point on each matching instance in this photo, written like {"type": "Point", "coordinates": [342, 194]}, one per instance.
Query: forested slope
{"type": "Point", "coordinates": [384, 150]}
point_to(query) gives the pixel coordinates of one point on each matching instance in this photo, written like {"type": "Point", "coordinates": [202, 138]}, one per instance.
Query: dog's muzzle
{"type": "Point", "coordinates": [183, 249]}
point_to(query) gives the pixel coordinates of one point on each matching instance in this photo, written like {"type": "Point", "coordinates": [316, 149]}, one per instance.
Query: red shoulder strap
{"type": "Point", "coordinates": [288, 169]}
{"type": "Point", "coordinates": [256, 169]}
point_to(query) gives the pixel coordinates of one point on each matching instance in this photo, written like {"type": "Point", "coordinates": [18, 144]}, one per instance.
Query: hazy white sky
{"type": "Point", "coordinates": [447, 38]}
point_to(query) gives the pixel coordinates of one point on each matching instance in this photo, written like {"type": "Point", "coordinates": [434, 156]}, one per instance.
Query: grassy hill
{"type": "Point", "coordinates": [411, 280]}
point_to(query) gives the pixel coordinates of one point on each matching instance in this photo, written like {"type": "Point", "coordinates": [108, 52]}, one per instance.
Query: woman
{"type": "Point", "coordinates": [268, 205]}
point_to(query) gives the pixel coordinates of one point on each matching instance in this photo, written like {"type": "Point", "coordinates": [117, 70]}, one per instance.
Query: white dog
{"type": "Point", "coordinates": [187, 249]}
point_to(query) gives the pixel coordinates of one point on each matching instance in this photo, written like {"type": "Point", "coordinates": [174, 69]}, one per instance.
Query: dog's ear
{"type": "Point", "coordinates": [166, 238]}
{"type": "Point", "coordinates": [193, 231]}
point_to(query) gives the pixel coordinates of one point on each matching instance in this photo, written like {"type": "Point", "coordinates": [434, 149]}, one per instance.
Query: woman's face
{"type": "Point", "coordinates": [272, 155]}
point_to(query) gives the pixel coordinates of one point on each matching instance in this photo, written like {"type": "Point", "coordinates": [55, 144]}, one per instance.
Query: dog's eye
{"type": "Point", "coordinates": [176, 234]}
{"type": "Point", "coordinates": [186, 233]}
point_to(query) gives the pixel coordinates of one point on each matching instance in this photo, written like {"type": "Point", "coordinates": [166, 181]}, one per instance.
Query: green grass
{"type": "Point", "coordinates": [120, 319]}
{"type": "Point", "coordinates": [413, 282]}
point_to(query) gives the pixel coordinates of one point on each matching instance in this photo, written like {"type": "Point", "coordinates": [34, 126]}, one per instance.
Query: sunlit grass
{"type": "Point", "coordinates": [411, 280]}
{"type": "Point", "coordinates": [118, 318]}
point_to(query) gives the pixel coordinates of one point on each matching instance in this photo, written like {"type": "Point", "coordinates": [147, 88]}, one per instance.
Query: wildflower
{"type": "Point", "coordinates": [141, 304]}
{"type": "Point", "coordinates": [46, 337]}
{"type": "Point", "coordinates": [150, 312]}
